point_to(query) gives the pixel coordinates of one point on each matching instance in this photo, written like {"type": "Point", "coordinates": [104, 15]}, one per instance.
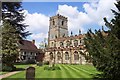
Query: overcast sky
{"type": "Point", "coordinates": [81, 15]}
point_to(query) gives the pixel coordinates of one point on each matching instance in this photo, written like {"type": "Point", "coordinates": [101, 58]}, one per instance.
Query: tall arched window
{"type": "Point", "coordinates": [51, 55]}
{"type": "Point", "coordinates": [55, 44]}
{"type": "Point", "coordinates": [66, 56]}
{"type": "Point", "coordinates": [53, 22]}
{"type": "Point", "coordinates": [52, 44]}
{"type": "Point", "coordinates": [76, 55]}
{"type": "Point", "coordinates": [58, 56]}
{"type": "Point", "coordinates": [75, 42]}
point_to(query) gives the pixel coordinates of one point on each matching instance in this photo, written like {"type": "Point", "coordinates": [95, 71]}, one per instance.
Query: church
{"type": "Point", "coordinates": [62, 48]}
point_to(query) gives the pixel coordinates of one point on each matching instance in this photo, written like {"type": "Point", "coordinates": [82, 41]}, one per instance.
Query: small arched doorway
{"type": "Point", "coordinates": [76, 57]}
{"type": "Point", "coordinates": [67, 57]}
{"type": "Point", "coordinates": [59, 57]}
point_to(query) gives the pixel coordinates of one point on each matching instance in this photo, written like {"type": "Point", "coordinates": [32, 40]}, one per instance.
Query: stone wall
{"type": "Point", "coordinates": [74, 56]}
{"type": "Point", "coordinates": [68, 47]}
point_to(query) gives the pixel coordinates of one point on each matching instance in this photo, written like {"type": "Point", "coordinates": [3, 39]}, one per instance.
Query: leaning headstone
{"type": "Point", "coordinates": [30, 73]}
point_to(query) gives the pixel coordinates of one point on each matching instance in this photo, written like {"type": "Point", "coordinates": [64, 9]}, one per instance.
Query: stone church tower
{"type": "Point", "coordinates": [62, 48]}
{"type": "Point", "coordinates": [58, 27]}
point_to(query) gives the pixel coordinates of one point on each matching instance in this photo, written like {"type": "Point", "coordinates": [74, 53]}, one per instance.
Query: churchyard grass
{"type": "Point", "coordinates": [66, 71]}
{"type": "Point", "coordinates": [24, 66]}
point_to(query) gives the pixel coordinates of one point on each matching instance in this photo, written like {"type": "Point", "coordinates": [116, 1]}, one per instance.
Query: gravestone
{"type": "Point", "coordinates": [30, 73]}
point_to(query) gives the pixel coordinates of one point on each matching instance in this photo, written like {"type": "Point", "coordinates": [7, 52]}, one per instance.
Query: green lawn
{"type": "Point", "coordinates": [22, 66]}
{"type": "Point", "coordinates": [67, 71]}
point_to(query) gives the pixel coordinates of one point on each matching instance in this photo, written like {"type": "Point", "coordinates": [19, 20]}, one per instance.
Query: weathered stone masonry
{"type": "Point", "coordinates": [64, 48]}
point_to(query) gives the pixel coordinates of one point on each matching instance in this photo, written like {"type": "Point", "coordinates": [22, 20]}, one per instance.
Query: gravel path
{"type": "Point", "coordinates": [8, 74]}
